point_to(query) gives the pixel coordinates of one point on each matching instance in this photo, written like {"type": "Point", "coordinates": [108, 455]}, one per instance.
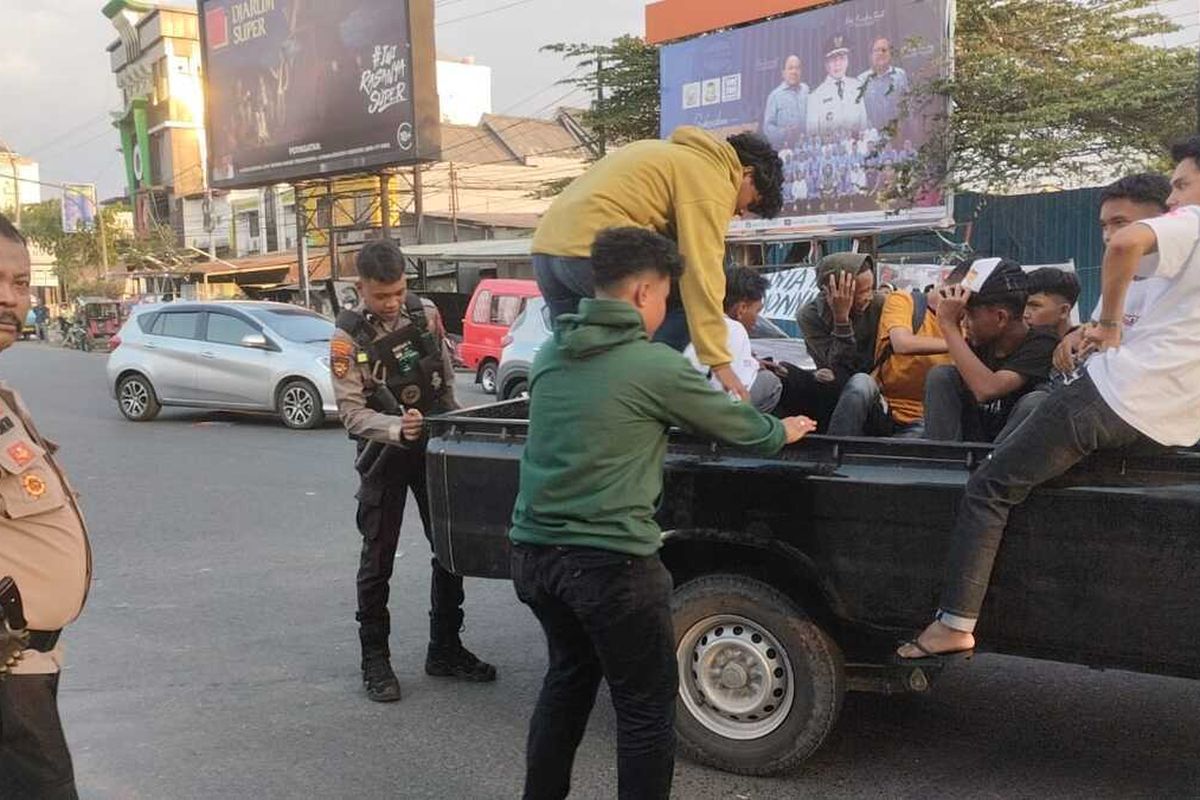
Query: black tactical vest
{"type": "Point", "coordinates": [408, 361]}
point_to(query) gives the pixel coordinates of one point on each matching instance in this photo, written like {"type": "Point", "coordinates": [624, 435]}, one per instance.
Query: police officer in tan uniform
{"type": "Point", "coordinates": [390, 367]}
{"type": "Point", "coordinates": [44, 552]}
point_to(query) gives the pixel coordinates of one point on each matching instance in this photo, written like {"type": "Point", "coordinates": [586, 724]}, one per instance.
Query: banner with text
{"type": "Point", "coordinates": [832, 89]}
{"type": "Point", "coordinates": [307, 88]}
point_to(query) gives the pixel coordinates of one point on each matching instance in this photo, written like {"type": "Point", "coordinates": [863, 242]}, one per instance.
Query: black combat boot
{"type": "Point", "coordinates": [447, 658]}
{"type": "Point", "coordinates": [379, 680]}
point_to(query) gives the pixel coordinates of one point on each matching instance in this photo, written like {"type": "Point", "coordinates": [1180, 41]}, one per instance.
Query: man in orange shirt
{"type": "Point", "coordinates": [890, 400]}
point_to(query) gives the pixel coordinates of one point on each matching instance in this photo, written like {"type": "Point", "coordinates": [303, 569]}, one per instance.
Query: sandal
{"type": "Point", "coordinates": [931, 659]}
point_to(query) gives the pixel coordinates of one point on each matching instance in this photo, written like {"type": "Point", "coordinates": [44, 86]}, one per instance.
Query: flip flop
{"type": "Point", "coordinates": [931, 659]}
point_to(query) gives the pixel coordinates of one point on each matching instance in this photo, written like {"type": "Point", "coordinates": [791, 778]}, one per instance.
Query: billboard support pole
{"type": "Point", "coordinates": [385, 203]}
{"type": "Point", "coordinates": [302, 245]}
{"type": "Point", "coordinates": [333, 261]}
{"type": "Point", "coordinates": [418, 203]}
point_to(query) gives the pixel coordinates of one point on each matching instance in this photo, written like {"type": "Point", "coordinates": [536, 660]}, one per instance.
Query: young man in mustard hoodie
{"type": "Point", "coordinates": [687, 187]}
{"type": "Point", "coordinates": [585, 542]}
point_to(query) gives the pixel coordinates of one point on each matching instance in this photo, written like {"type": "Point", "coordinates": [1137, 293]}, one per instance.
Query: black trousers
{"type": "Point", "coordinates": [35, 763]}
{"type": "Point", "coordinates": [605, 614]}
{"type": "Point", "coordinates": [380, 517]}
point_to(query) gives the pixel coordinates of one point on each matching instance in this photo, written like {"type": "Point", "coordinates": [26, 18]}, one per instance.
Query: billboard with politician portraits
{"type": "Point", "coordinates": [301, 89]}
{"type": "Point", "coordinates": [833, 90]}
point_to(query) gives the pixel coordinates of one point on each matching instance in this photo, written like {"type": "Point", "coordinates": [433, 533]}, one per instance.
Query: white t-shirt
{"type": "Point", "coordinates": [1140, 296]}
{"type": "Point", "coordinates": [744, 364]}
{"type": "Point", "coordinates": [1152, 381]}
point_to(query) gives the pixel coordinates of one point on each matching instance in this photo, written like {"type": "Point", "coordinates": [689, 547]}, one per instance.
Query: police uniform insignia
{"type": "Point", "coordinates": [21, 454]}
{"type": "Point", "coordinates": [340, 353]}
{"type": "Point", "coordinates": [6, 425]}
{"type": "Point", "coordinates": [362, 358]}
{"type": "Point", "coordinates": [410, 394]}
{"type": "Point", "coordinates": [33, 485]}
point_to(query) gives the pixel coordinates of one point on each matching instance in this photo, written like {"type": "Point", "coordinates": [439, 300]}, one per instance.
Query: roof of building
{"type": "Point", "coordinates": [508, 140]}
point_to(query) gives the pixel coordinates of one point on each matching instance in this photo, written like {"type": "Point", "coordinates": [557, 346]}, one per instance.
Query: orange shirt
{"type": "Point", "coordinates": [902, 377]}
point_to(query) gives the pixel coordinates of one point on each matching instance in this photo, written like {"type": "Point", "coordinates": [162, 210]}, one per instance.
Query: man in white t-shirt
{"type": "Point", "coordinates": [745, 291]}
{"type": "Point", "coordinates": [1128, 200]}
{"type": "Point", "coordinates": [1141, 387]}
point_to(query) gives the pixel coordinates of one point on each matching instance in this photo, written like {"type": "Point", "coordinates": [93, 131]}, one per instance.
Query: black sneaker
{"type": "Point", "coordinates": [457, 662]}
{"type": "Point", "coordinates": [380, 682]}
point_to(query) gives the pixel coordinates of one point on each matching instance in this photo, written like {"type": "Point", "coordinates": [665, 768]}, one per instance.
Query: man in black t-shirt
{"type": "Point", "coordinates": [997, 361]}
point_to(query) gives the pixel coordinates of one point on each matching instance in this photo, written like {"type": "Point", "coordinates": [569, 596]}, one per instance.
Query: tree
{"type": "Point", "coordinates": [1043, 90]}
{"type": "Point", "coordinates": [79, 257]}
{"type": "Point", "coordinates": [625, 74]}
{"type": "Point", "coordinates": [1059, 90]}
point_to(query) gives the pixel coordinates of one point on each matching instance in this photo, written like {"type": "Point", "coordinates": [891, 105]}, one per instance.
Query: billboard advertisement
{"type": "Point", "coordinates": [78, 207]}
{"type": "Point", "coordinates": [832, 89]}
{"type": "Point", "coordinates": [302, 89]}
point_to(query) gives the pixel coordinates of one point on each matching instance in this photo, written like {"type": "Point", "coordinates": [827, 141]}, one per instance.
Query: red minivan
{"type": "Point", "coordinates": [493, 307]}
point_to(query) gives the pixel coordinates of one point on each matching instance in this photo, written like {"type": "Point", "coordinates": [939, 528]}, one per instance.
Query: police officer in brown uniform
{"type": "Point", "coordinates": [390, 367]}
{"type": "Point", "coordinates": [45, 569]}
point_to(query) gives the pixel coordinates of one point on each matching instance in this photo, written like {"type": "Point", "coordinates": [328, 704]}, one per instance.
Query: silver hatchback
{"type": "Point", "coordinates": [232, 355]}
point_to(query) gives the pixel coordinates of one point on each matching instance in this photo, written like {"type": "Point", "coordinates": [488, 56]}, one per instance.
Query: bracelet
{"type": "Point", "coordinates": [1109, 323]}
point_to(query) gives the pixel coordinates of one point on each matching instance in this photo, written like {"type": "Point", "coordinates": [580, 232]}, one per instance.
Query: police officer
{"type": "Point", "coordinates": [44, 554]}
{"type": "Point", "coordinates": [836, 106]}
{"type": "Point", "coordinates": [390, 367]}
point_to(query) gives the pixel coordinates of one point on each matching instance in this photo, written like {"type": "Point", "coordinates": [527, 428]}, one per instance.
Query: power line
{"type": "Point", "coordinates": [485, 12]}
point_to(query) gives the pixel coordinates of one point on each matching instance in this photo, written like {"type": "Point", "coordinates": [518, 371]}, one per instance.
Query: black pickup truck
{"type": "Point", "coordinates": [796, 575]}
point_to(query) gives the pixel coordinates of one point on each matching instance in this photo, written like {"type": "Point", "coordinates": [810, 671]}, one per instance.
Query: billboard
{"type": "Point", "coordinates": [302, 89]}
{"type": "Point", "coordinates": [831, 89]}
{"type": "Point", "coordinates": [78, 207]}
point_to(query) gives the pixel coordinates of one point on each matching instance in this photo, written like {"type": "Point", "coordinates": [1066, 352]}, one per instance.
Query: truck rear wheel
{"type": "Point", "coordinates": [760, 684]}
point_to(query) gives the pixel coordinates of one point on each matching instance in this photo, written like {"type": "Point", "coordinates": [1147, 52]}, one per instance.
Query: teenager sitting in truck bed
{"type": "Point", "coordinates": [839, 326]}
{"type": "Point", "coordinates": [997, 360]}
{"type": "Point", "coordinates": [1052, 295]}
{"type": "Point", "coordinates": [1141, 387]}
{"type": "Point", "coordinates": [889, 401]}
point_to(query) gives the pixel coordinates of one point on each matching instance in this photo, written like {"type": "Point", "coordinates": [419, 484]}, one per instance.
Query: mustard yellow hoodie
{"type": "Point", "coordinates": [685, 187]}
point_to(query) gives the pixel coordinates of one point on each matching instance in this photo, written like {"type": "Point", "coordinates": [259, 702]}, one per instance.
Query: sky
{"type": "Point", "coordinates": [57, 89]}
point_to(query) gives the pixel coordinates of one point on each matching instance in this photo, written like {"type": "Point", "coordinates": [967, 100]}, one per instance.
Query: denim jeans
{"type": "Point", "coordinates": [1021, 412]}
{"type": "Point", "coordinates": [564, 281]}
{"type": "Point", "coordinates": [860, 412]}
{"type": "Point", "coordinates": [1068, 425]}
{"type": "Point", "coordinates": [765, 391]}
{"type": "Point", "coordinates": [951, 413]}
{"type": "Point", "coordinates": [605, 614]}
{"type": "Point", "coordinates": [34, 759]}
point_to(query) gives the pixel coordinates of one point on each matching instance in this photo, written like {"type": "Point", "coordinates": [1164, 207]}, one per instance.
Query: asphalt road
{"type": "Point", "coordinates": [217, 656]}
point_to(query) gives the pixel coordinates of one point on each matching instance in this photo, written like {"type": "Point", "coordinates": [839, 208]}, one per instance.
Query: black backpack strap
{"type": "Point", "coordinates": [355, 324]}
{"type": "Point", "coordinates": [415, 307]}
{"type": "Point", "coordinates": [920, 309]}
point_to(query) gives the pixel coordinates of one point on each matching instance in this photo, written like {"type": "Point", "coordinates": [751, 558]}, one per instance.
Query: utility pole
{"type": "Point", "coordinates": [333, 260]}
{"type": "Point", "coordinates": [385, 203]}
{"type": "Point", "coordinates": [103, 239]}
{"type": "Point", "coordinates": [301, 245]}
{"type": "Point", "coordinates": [600, 100]}
{"type": "Point", "coordinates": [12, 163]}
{"type": "Point", "coordinates": [418, 203]}
{"type": "Point", "coordinates": [453, 203]}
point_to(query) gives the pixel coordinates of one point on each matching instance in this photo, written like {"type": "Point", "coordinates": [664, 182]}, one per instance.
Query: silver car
{"type": "Point", "coordinates": [234, 355]}
{"type": "Point", "coordinates": [525, 336]}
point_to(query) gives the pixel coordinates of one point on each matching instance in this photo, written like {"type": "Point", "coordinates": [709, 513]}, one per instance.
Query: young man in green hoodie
{"type": "Point", "coordinates": [585, 542]}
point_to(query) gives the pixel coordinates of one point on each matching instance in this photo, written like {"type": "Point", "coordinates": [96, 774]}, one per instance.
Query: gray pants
{"type": "Point", "coordinates": [1068, 425]}
{"type": "Point", "coordinates": [766, 391]}
{"type": "Point", "coordinates": [860, 411]}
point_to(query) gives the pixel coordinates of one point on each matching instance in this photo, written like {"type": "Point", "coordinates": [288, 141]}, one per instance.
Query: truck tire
{"type": "Point", "coordinates": [760, 684]}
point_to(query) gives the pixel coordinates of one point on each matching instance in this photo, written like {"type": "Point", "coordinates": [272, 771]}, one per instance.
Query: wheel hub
{"type": "Point", "coordinates": [735, 678]}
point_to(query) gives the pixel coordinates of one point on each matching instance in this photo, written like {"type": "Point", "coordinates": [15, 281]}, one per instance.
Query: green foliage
{"type": "Point", "coordinates": [627, 71]}
{"type": "Point", "coordinates": [79, 257]}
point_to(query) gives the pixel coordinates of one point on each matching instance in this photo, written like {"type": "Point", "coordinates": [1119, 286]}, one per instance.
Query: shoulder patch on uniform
{"type": "Point", "coordinates": [21, 453]}
{"type": "Point", "coordinates": [33, 485]}
{"type": "Point", "coordinates": [340, 354]}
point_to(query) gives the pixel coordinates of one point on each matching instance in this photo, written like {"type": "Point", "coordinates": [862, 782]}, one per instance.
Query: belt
{"type": "Point", "coordinates": [43, 641]}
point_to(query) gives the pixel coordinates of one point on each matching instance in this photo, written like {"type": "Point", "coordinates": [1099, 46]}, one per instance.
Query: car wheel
{"type": "Point", "coordinates": [515, 389]}
{"type": "Point", "coordinates": [760, 683]}
{"type": "Point", "coordinates": [300, 405]}
{"type": "Point", "coordinates": [487, 376]}
{"type": "Point", "coordinates": [136, 398]}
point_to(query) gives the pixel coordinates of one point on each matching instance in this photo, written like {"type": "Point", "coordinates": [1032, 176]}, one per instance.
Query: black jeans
{"type": "Point", "coordinates": [564, 281]}
{"type": "Point", "coordinates": [34, 759]}
{"type": "Point", "coordinates": [951, 412]}
{"type": "Point", "coordinates": [1069, 424]}
{"type": "Point", "coordinates": [605, 614]}
{"type": "Point", "coordinates": [380, 516]}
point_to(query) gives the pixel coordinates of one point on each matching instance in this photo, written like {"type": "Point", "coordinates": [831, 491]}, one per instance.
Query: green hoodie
{"type": "Point", "coordinates": [603, 397]}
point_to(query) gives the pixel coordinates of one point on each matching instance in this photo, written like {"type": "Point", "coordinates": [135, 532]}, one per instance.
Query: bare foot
{"type": "Point", "coordinates": [938, 639]}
